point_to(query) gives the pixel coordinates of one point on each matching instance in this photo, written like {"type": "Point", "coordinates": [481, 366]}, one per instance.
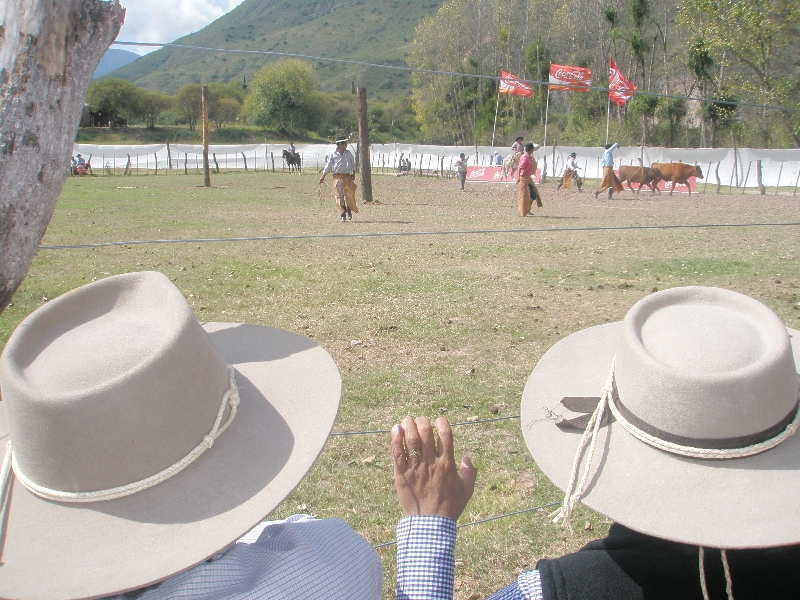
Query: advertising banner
{"type": "Point", "coordinates": [575, 79]}
{"type": "Point", "coordinates": [494, 174]}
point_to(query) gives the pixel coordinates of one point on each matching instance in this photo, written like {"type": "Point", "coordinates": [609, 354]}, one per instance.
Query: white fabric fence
{"type": "Point", "coordinates": [779, 167]}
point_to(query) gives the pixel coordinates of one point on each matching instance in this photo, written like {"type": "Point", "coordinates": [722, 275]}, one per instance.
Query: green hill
{"type": "Point", "coordinates": [376, 31]}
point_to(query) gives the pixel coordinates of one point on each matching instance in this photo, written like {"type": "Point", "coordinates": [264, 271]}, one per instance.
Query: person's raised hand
{"type": "Point", "coordinates": [425, 474]}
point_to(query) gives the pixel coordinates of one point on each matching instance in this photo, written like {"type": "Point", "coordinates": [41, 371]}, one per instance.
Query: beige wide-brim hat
{"type": "Point", "coordinates": [116, 381]}
{"type": "Point", "coordinates": [698, 371]}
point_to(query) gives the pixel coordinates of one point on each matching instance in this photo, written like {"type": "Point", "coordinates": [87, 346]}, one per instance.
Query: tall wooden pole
{"type": "Point", "coordinates": [363, 145]}
{"type": "Point", "coordinates": [48, 53]}
{"type": "Point", "coordinates": [206, 170]}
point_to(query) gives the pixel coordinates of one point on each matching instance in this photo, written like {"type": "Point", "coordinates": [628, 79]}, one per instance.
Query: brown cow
{"type": "Point", "coordinates": [676, 173]}
{"type": "Point", "coordinates": [644, 176]}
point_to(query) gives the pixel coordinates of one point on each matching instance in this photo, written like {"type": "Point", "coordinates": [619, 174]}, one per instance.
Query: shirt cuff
{"type": "Point", "coordinates": [425, 557]}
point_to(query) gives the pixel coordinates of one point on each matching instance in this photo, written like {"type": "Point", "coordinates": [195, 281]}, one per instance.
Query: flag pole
{"type": "Point", "coordinates": [608, 114]}
{"type": "Point", "coordinates": [546, 112]}
{"type": "Point", "coordinates": [495, 117]}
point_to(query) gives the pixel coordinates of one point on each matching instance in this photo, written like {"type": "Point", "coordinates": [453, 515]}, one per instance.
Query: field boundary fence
{"type": "Point", "coordinates": [726, 168]}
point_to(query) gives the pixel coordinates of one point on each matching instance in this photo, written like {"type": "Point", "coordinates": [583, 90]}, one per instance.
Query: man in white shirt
{"type": "Point", "coordinates": [343, 166]}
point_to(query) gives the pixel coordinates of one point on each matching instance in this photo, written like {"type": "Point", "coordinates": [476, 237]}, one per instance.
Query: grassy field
{"type": "Point", "coordinates": [421, 324]}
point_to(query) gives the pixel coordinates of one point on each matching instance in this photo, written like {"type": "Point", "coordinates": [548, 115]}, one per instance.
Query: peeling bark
{"type": "Point", "coordinates": [48, 52]}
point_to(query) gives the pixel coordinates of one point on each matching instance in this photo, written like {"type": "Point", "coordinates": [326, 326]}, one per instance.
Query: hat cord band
{"type": "Point", "coordinates": [784, 429]}
{"type": "Point", "coordinates": [230, 398]}
{"type": "Point", "coordinates": [575, 489]}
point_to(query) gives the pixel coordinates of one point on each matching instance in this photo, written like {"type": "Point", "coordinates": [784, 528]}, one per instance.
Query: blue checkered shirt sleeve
{"type": "Point", "coordinates": [426, 547]}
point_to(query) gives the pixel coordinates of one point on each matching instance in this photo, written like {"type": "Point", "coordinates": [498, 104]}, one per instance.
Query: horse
{"type": "Point", "coordinates": [510, 163]}
{"type": "Point", "coordinates": [292, 159]}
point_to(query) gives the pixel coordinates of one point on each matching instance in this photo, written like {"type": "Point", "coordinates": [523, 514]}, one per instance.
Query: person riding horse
{"type": "Point", "coordinates": [292, 160]}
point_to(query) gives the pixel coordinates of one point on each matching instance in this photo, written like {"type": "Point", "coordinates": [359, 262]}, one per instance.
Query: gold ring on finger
{"type": "Point", "coordinates": [415, 453]}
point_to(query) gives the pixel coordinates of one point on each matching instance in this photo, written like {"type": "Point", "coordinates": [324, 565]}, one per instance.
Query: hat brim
{"type": "Point", "coordinates": [739, 503]}
{"type": "Point", "coordinates": [290, 390]}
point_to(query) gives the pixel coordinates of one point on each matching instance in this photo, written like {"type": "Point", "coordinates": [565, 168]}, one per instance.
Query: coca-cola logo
{"type": "Point", "coordinates": [477, 173]}
{"type": "Point", "coordinates": [566, 75]}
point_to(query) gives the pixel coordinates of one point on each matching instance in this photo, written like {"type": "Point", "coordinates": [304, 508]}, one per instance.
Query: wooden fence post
{"type": "Point", "coordinates": [363, 145]}
{"type": "Point", "coordinates": [204, 101]}
{"type": "Point", "coordinates": [746, 177]}
{"type": "Point", "coordinates": [778, 183]}
{"type": "Point", "coordinates": [761, 189]}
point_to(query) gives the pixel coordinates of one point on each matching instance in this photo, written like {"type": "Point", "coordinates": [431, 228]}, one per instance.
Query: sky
{"type": "Point", "coordinates": [167, 20]}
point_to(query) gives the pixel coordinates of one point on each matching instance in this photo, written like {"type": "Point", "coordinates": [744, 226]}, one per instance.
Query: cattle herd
{"type": "Point", "coordinates": [651, 176]}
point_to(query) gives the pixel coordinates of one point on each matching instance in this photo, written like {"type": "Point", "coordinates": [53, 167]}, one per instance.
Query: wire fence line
{"type": "Point", "coordinates": [462, 423]}
{"type": "Point", "coordinates": [375, 431]}
{"type": "Point", "coordinates": [436, 72]}
{"type": "Point", "coordinates": [413, 233]}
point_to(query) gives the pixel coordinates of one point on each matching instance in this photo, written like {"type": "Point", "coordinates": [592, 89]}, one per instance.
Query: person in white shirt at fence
{"type": "Point", "coordinates": [343, 166]}
{"type": "Point", "coordinates": [141, 446]}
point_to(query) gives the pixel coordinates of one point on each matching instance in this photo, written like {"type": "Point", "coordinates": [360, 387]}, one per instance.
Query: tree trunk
{"type": "Point", "coordinates": [48, 53]}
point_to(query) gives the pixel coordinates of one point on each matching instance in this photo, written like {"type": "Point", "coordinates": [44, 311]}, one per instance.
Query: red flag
{"type": "Point", "coordinates": [576, 79]}
{"type": "Point", "coordinates": [620, 89]}
{"type": "Point", "coordinates": [512, 85]}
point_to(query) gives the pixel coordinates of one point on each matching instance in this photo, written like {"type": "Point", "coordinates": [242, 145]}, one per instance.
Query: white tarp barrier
{"type": "Point", "coordinates": [779, 167]}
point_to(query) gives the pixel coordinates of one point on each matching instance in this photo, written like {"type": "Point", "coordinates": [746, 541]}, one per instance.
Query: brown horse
{"type": "Point", "coordinates": [292, 160]}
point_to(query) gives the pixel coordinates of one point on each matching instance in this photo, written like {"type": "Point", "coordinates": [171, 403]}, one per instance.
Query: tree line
{"type": "Point", "coordinates": [281, 98]}
{"type": "Point", "coordinates": [721, 51]}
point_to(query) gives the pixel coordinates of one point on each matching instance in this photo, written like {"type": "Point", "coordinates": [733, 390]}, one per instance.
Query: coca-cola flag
{"type": "Point", "coordinates": [576, 79]}
{"type": "Point", "coordinates": [620, 89]}
{"type": "Point", "coordinates": [512, 85]}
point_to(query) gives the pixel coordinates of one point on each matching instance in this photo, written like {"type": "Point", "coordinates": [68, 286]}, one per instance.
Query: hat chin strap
{"type": "Point", "coordinates": [10, 465]}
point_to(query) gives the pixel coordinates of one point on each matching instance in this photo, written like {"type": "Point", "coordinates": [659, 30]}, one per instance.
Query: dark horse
{"type": "Point", "coordinates": [293, 160]}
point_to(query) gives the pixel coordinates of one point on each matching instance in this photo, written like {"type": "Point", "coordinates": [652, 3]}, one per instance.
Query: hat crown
{"type": "Point", "coordinates": [705, 364]}
{"type": "Point", "coordinates": [109, 384]}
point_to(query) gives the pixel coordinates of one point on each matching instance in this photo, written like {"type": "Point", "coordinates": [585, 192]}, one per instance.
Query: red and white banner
{"type": "Point", "coordinates": [620, 89]}
{"type": "Point", "coordinates": [576, 79]}
{"type": "Point", "coordinates": [494, 174]}
{"type": "Point", "coordinates": [509, 84]}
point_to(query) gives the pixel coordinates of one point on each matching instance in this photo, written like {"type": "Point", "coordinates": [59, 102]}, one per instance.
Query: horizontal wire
{"type": "Point", "coordinates": [436, 72]}
{"type": "Point", "coordinates": [412, 233]}
{"type": "Point", "coordinates": [346, 433]}
{"type": "Point", "coordinates": [478, 522]}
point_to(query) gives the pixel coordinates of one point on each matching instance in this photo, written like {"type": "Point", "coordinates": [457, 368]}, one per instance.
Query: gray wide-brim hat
{"type": "Point", "coordinates": [115, 382]}
{"type": "Point", "coordinates": [342, 140]}
{"type": "Point", "coordinates": [700, 374]}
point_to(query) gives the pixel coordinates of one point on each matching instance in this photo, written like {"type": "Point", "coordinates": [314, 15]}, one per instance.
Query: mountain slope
{"type": "Point", "coordinates": [114, 59]}
{"type": "Point", "coordinates": [376, 31]}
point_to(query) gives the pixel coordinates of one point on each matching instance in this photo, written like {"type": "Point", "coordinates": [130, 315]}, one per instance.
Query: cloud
{"type": "Point", "coordinates": [167, 20]}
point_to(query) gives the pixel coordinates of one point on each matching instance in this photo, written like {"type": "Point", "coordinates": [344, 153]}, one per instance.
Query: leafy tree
{"type": "Point", "coordinates": [150, 105]}
{"type": "Point", "coordinates": [189, 104]}
{"type": "Point", "coordinates": [115, 97]}
{"type": "Point", "coordinates": [224, 103]}
{"type": "Point", "coordinates": [700, 64]}
{"type": "Point", "coordinates": [223, 110]}
{"type": "Point", "coordinates": [671, 112]}
{"type": "Point", "coordinates": [720, 112]}
{"type": "Point", "coordinates": [645, 108]}
{"type": "Point", "coordinates": [282, 96]}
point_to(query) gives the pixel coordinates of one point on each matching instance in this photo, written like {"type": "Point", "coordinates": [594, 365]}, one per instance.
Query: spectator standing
{"type": "Point", "coordinates": [461, 169]}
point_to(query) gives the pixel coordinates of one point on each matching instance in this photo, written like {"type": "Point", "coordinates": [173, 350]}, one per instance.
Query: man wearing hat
{"type": "Point", "coordinates": [610, 180]}
{"type": "Point", "coordinates": [141, 445]}
{"type": "Point", "coordinates": [570, 173]}
{"type": "Point", "coordinates": [343, 166]}
{"type": "Point", "coordinates": [678, 423]}
{"type": "Point", "coordinates": [526, 188]}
